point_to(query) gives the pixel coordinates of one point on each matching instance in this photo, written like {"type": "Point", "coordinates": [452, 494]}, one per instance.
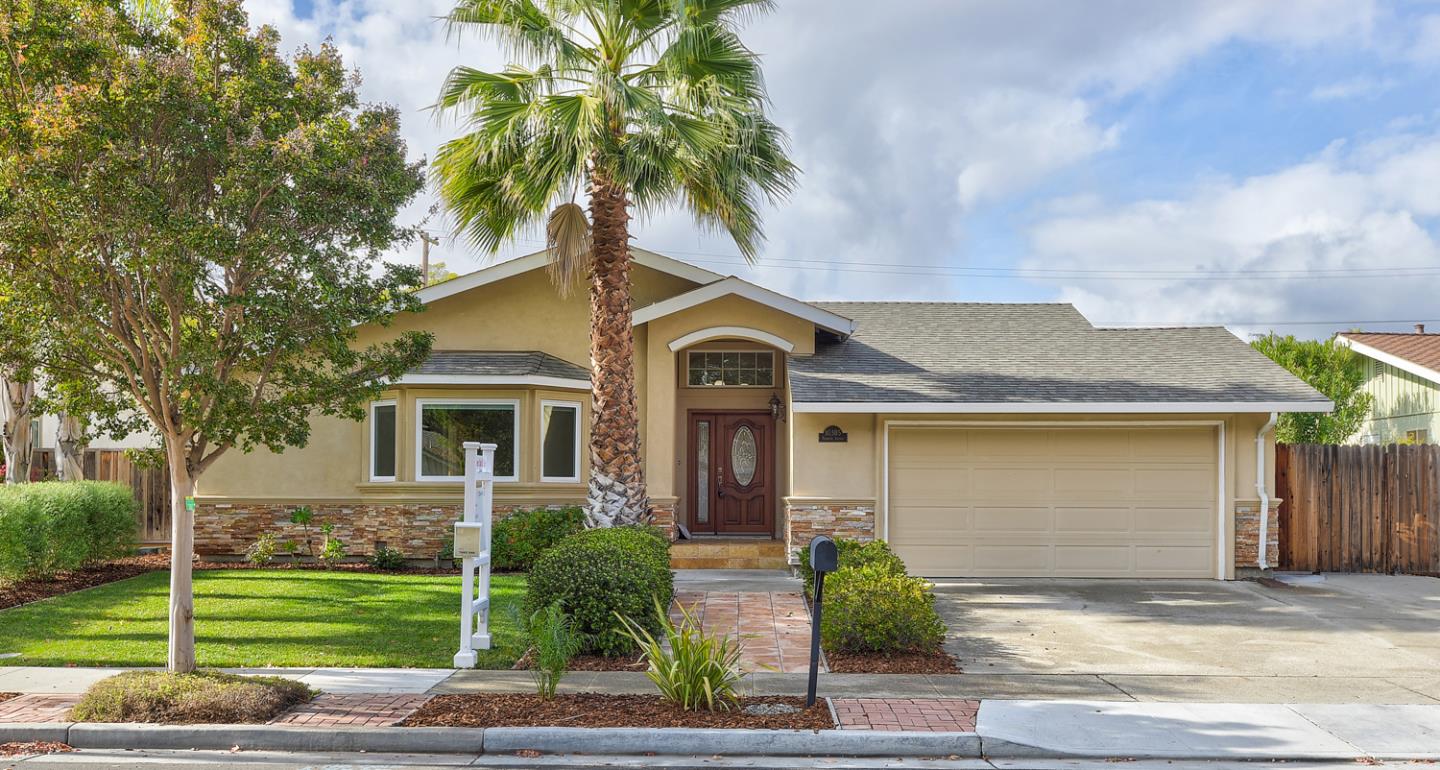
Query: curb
{"type": "Point", "coordinates": [674, 741]}
{"type": "Point", "coordinates": [999, 748]}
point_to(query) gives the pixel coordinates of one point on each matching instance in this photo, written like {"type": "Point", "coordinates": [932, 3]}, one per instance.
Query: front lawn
{"type": "Point", "coordinates": [252, 618]}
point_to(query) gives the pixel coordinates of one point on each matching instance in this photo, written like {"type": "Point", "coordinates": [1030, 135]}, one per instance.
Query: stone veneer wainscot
{"type": "Point", "coordinates": [852, 520]}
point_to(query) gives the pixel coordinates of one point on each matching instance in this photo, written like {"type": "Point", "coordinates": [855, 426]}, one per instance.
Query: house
{"type": "Point", "coordinates": [978, 439]}
{"type": "Point", "coordinates": [1402, 376]}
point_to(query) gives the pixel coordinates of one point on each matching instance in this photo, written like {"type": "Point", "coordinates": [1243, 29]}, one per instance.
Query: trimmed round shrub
{"type": "Point", "coordinates": [54, 526]}
{"type": "Point", "coordinates": [853, 553]}
{"type": "Point", "coordinates": [599, 573]}
{"type": "Point", "coordinates": [520, 538]}
{"type": "Point", "coordinates": [204, 697]}
{"type": "Point", "coordinates": [873, 609]}
{"type": "Point", "coordinates": [387, 558]}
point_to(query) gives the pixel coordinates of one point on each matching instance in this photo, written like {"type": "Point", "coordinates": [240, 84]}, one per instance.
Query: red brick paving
{"type": "Point", "coordinates": [930, 715]}
{"type": "Point", "coordinates": [773, 627]}
{"type": "Point", "coordinates": [352, 710]}
{"type": "Point", "coordinates": [36, 707]}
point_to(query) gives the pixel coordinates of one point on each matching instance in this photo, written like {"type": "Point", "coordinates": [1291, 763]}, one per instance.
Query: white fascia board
{"type": "Point", "coordinates": [741, 288]}
{"type": "Point", "coordinates": [539, 259]}
{"type": "Point", "coordinates": [492, 379]}
{"type": "Point", "coordinates": [1107, 407]}
{"type": "Point", "coordinates": [1403, 364]}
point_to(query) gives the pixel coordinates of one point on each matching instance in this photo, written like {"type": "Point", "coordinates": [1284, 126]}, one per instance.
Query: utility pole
{"type": "Point", "coordinates": [426, 240]}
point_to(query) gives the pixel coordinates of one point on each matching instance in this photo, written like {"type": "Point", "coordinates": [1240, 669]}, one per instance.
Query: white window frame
{"type": "Point", "coordinates": [421, 403]}
{"type": "Point", "coordinates": [579, 413]}
{"type": "Point", "coordinates": [774, 373]}
{"type": "Point", "coordinates": [373, 406]}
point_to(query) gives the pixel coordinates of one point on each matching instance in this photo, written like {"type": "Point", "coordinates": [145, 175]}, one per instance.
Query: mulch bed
{"type": "Point", "coordinates": [31, 748]}
{"type": "Point", "coordinates": [937, 662]}
{"type": "Point", "coordinates": [596, 710]}
{"type": "Point", "coordinates": [590, 663]}
{"type": "Point", "coordinates": [35, 589]}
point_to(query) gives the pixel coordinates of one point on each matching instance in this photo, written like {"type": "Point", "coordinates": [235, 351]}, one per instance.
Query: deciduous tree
{"type": "Point", "coordinates": [1330, 368]}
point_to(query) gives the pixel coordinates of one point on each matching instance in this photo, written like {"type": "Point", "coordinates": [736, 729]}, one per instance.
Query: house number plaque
{"type": "Point", "coordinates": [833, 435]}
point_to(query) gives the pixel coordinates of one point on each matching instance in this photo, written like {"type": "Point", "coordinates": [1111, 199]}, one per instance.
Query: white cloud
{"type": "Point", "coordinates": [1363, 209]}
{"type": "Point", "coordinates": [1358, 87]}
{"type": "Point", "coordinates": [1426, 47]}
{"type": "Point", "coordinates": [905, 117]}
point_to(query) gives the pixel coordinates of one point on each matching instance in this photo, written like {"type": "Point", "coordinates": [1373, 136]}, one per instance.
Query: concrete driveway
{"type": "Point", "coordinates": [1325, 639]}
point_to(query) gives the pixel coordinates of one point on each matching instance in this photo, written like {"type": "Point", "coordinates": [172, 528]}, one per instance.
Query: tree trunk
{"type": "Point", "coordinates": [182, 554]}
{"type": "Point", "coordinates": [617, 480]}
{"type": "Point", "coordinates": [15, 417]}
{"type": "Point", "coordinates": [70, 443]}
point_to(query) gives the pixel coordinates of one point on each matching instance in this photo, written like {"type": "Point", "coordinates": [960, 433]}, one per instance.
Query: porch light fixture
{"type": "Point", "coordinates": [777, 407]}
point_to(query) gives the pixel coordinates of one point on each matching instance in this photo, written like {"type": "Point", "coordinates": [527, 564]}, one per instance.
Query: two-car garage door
{"type": "Point", "coordinates": [1054, 501]}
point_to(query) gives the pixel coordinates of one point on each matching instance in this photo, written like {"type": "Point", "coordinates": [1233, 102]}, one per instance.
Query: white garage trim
{"type": "Point", "coordinates": [1221, 551]}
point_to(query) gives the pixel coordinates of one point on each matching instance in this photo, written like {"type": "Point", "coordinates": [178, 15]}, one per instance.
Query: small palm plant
{"type": "Point", "coordinates": [555, 642]}
{"type": "Point", "coordinates": [691, 669]}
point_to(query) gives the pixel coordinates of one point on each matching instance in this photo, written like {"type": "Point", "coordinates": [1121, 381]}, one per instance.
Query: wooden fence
{"type": "Point", "coordinates": [151, 487]}
{"type": "Point", "coordinates": [1359, 508]}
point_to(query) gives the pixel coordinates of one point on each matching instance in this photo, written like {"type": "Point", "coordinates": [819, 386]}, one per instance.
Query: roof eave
{"type": "Point", "coordinates": [1403, 364]}
{"type": "Point", "coordinates": [1059, 407]}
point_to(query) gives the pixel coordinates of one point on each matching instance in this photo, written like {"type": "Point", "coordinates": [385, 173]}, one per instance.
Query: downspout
{"type": "Point", "coordinates": [1261, 550]}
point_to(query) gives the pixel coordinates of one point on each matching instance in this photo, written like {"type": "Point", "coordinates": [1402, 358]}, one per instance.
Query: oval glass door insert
{"type": "Point", "coordinates": [742, 456]}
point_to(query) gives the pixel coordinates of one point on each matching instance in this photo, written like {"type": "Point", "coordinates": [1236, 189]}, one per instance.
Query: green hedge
{"type": "Point", "coordinates": [520, 538]}
{"type": "Point", "coordinates": [853, 553]}
{"type": "Point", "coordinates": [53, 526]}
{"type": "Point", "coordinates": [872, 609]}
{"type": "Point", "coordinates": [599, 573]}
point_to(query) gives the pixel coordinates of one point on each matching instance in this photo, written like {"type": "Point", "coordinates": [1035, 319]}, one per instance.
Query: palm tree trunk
{"type": "Point", "coordinates": [617, 479]}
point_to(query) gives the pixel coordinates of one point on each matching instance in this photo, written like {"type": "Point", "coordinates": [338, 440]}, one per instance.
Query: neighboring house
{"type": "Point", "coordinates": [1402, 376]}
{"type": "Point", "coordinates": [979, 439]}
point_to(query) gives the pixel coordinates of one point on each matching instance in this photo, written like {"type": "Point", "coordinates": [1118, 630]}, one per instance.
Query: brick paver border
{"type": "Point", "coordinates": [37, 707]}
{"type": "Point", "coordinates": [352, 710]}
{"type": "Point", "coordinates": [932, 715]}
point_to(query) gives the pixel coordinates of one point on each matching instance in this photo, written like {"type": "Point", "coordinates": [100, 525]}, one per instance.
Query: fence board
{"type": "Point", "coordinates": [1359, 508]}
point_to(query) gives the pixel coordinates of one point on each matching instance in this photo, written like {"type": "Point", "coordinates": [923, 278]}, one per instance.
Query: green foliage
{"type": "Point", "coordinates": [262, 552]}
{"type": "Point", "coordinates": [304, 517]}
{"type": "Point", "coordinates": [202, 697]}
{"type": "Point", "coordinates": [53, 526]}
{"type": "Point", "coordinates": [553, 642]}
{"type": "Point", "coordinates": [691, 670]}
{"type": "Point", "coordinates": [332, 551]}
{"type": "Point", "coordinates": [192, 224]}
{"type": "Point", "coordinates": [387, 558]}
{"type": "Point", "coordinates": [872, 608]}
{"type": "Point", "coordinates": [520, 538]}
{"type": "Point", "coordinates": [853, 553]}
{"type": "Point", "coordinates": [662, 100]}
{"type": "Point", "coordinates": [1335, 371]}
{"type": "Point", "coordinates": [599, 574]}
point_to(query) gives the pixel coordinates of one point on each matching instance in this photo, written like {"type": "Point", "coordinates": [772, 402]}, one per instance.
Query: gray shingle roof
{"type": "Point", "coordinates": [531, 363]}
{"type": "Point", "coordinates": [1029, 353]}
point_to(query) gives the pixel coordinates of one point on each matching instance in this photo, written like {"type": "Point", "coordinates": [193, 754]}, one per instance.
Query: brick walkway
{"type": "Point", "coordinates": [37, 708]}
{"type": "Point", "coordinates": [773, 627]}
{"type": "Point", "coordinates": [929, 715]}
{"type": "Point", "coordinates": [352, 710]}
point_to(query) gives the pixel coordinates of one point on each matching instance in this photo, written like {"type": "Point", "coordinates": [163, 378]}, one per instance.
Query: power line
{"type": "Point", "coordinates": [1123, 324]}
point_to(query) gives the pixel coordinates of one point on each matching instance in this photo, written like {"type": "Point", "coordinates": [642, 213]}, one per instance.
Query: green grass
{"type": "Point", "coordinates": [251, 618]}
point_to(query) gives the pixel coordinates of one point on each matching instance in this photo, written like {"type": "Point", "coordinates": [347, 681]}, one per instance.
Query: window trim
{"type": "Point", "coordinates": [773, 368]}
{"type": "Point", "coordinates": [579, 413]}
{"type": "Point", "coordinates": [421, 403]}
{"type": "Point", "coordinates": [373, 406]}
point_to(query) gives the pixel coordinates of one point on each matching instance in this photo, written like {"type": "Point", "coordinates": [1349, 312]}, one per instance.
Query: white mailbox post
{"type": "Point", "coordinates": [472, 545]}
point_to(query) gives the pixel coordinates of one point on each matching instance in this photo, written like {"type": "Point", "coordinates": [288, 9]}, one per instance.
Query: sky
{"type": "Point", "coordinates": [1261, 165]}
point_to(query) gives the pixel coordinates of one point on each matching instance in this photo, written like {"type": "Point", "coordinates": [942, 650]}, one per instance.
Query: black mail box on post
{"type": "Point", "coordinates": [824, 558]}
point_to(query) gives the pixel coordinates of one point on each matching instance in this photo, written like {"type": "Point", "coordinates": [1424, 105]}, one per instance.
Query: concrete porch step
{"type": "Point", "coordinates": [728, 553]}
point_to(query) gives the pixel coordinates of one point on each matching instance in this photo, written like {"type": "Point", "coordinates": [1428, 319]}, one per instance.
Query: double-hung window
{"type": "Point", "coordinates": [444, 425]}
{"type": "Point", "coordinates": [559, 441]}
{"type": "Point", "coordinates": [383, 453]}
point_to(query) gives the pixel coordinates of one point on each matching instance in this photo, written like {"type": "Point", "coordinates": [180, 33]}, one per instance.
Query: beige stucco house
{"type": "Point", "coordinates": [978, 439]}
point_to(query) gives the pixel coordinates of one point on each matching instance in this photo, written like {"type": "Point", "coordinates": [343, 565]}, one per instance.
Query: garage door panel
{"type": "Point", "coordinates": [1092, 560]}
{"type": "Point", "coordinates": [1084, 502]}
{"type": "Point", "coordinates": [989, 520]}
{"type": "Point", "coordinates": [990, 483]}
{"type": "Point", "coordinates": [1083, 520]}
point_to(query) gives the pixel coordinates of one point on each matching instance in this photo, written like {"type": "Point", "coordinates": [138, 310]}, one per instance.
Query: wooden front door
{"type": "Point", "coordinates": [732, 470]}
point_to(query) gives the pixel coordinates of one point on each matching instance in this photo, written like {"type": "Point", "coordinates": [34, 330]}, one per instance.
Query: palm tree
{"type": "Point", "coordinates": [640, 104]}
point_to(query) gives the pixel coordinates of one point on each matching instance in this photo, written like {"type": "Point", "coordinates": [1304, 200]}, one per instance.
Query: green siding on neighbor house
{"type": "Point", "coordinates": [1402, 402]}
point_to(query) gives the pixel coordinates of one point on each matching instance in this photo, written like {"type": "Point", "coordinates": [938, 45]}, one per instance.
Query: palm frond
{"type": "Point", "coordinates": [567, 239]}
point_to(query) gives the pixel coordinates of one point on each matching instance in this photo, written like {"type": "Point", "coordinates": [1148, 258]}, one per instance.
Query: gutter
{"type": "Point", "coordinates": [1262, 550]}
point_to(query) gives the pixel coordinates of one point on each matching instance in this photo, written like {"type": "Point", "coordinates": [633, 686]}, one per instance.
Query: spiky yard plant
{"type": "Point", "coordinates": [640, 105]}
{"type": "Point", "coordinates": [692, 669]}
